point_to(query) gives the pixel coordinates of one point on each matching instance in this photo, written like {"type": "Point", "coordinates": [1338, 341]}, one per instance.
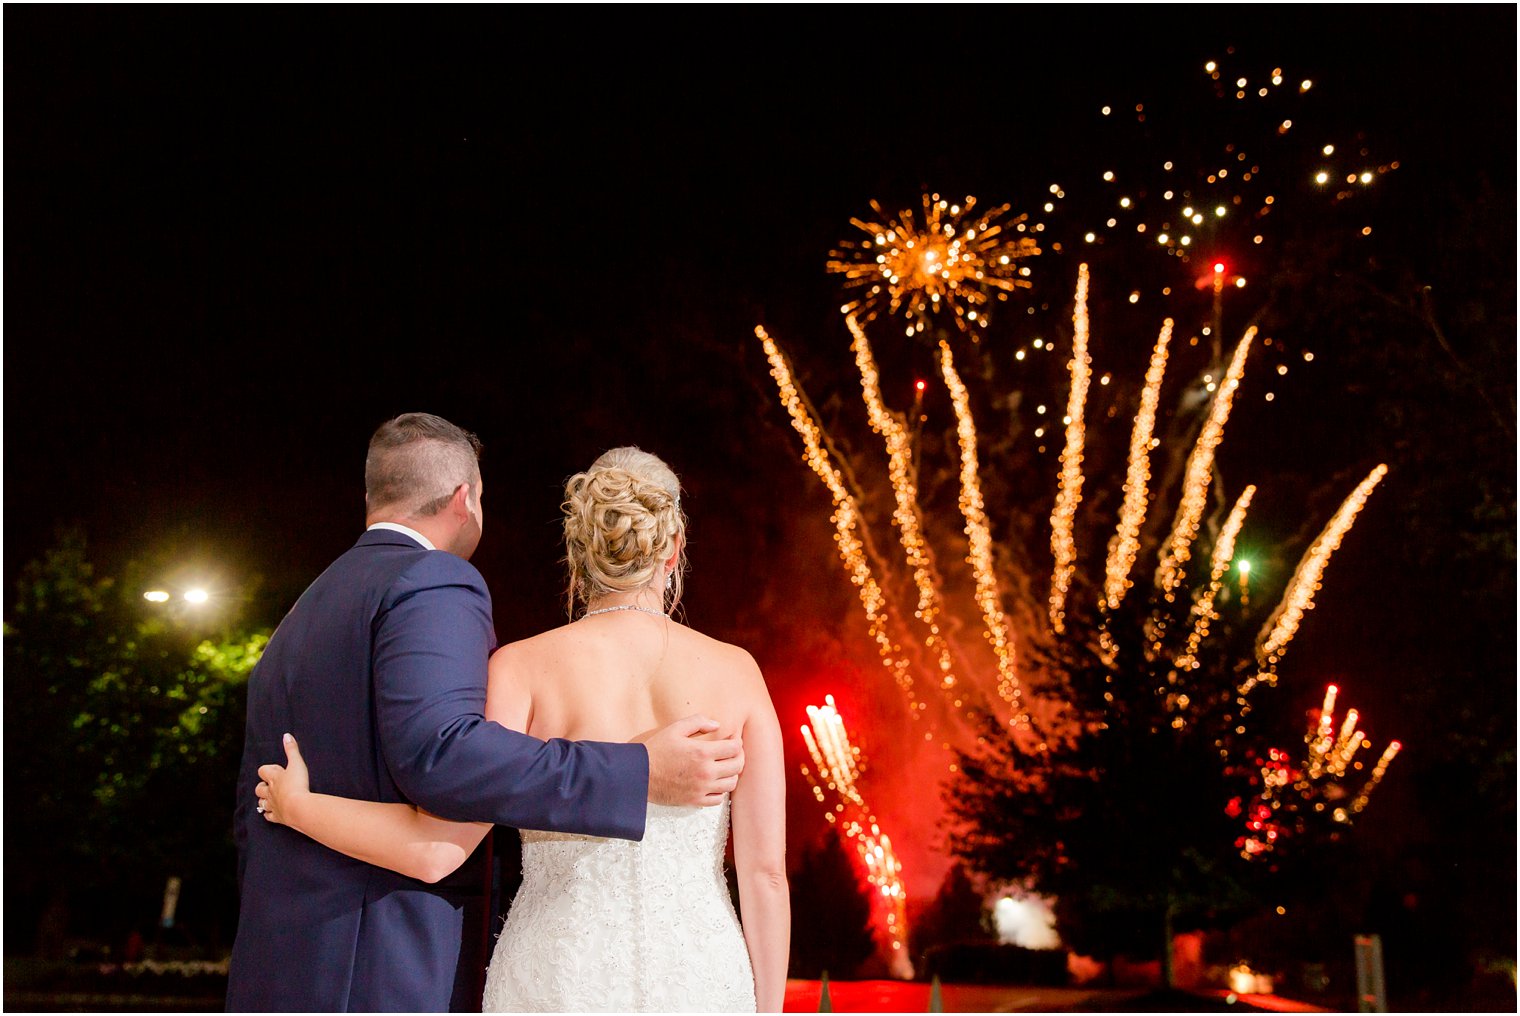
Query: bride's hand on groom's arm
{"type": "Point", "coordinates": [283, 788]}
{"type": "Point", "coordinates": [687, 769]}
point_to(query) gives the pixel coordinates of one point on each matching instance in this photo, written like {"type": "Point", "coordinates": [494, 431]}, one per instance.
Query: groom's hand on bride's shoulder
{"type": "Point", "coordinates": [686, 768]}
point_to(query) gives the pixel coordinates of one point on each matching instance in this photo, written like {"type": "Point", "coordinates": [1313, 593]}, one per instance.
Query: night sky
{"type": "Point", "coordinates": [236, 241]}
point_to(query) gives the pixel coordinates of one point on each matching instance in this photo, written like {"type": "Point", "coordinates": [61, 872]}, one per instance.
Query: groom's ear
{"type": "Point", "coordinates": [459, 503]}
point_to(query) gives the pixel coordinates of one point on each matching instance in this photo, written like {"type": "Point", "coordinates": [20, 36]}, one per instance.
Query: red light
{"type": "Point", "coordinates": [1218, 267]}
{"type": "Point", "coordinates": [920, 386]}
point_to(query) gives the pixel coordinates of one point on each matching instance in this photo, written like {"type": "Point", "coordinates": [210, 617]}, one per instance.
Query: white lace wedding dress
{"type": "Point", "coordinates": [604, 925]}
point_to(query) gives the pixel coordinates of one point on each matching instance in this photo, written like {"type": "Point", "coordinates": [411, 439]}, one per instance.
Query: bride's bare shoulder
{"type": "Point", "coordinates": [733, 661]}
{"type": "Point", "coordinates": [743, 683]}
{"type": "Point", "coordinates": [524, 651]}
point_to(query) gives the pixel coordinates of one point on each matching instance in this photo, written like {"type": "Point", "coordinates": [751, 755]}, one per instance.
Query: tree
{"type": "Point", "coordinates": [957, 914]}
{"type": "Point", "coordinates": [831, 914]}
{"type": "Point", "coordinates": [57, 643]}
{"type": "Point", "coordinates": [1124, 825]}
{"type": "Point", "coordinates": [123, 734]}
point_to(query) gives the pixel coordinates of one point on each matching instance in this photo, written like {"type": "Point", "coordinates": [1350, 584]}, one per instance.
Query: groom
{"type": "Point", "coordinates": [379, 670]}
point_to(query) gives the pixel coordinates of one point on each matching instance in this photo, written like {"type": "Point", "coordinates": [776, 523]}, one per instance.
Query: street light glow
{"type": "Point", "coordinates": [156, 596]}
{"type": "Point", "coordinates": [1245, 567]}
{"type": "Point", "coordinates": [196, 596]}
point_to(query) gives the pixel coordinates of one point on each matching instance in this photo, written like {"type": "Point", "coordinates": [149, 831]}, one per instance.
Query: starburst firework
{"type": "Point", "coordinates": [952, 261]}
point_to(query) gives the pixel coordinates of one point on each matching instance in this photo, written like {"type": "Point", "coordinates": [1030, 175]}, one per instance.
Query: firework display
{"type": "Point", "coordinates": [1329, 756]}
{"type": "Point", "coordinates": [938, 274]}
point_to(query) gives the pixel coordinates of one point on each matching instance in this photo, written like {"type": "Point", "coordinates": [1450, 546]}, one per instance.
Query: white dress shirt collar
{"type": "Point", "coordinates": [397, 527]}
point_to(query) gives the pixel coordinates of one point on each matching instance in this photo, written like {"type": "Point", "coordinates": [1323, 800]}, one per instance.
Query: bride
{"type": "Point", "coordinates": [602, 924]}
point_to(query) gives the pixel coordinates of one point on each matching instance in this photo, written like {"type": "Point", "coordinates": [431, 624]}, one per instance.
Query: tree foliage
{"type": "Point", "coordinates": [957, 914]}
{"type": "Point", "coordinates": [1125, 824]}
{"type": "Point", "coordinates": [123, 731]}
{"type": "Point", "coordinates": [831, 913]}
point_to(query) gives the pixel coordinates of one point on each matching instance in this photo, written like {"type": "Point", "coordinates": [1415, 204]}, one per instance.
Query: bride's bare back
{"type": "Point", "coordinates": [619, 677]}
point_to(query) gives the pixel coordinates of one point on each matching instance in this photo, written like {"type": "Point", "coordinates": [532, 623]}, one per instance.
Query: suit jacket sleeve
{"type": "Point", "coordinates": [433, 637]}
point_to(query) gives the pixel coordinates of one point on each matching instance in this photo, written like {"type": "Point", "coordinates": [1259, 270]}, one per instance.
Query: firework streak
{"type": "Point", "coordinates": [979, 537]}
{"type": "Point", "coordinates": [906, 514]}
{"type": "Point", "coordinates": [1224, 551]}
{"type": "Point", "coordinates": [1200, 467]}
{"type": "Point", "coordinates": [846, 518]}
{"type": "Point", "coordinates": [1283, 624]}
{"type": "Point", "coordinates": [1125, 546]}
{"type": "Point", "coordinates": [1063, 546]}
{"type": "Point", "coordinates": [836, 766]}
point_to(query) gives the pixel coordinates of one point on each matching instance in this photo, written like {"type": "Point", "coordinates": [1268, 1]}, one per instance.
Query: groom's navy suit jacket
{"type": "Point", "coordinates": [379, 671]}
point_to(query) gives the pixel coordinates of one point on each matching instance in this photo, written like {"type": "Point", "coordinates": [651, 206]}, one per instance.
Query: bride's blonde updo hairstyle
{"type": "Point", "coordinates": [622, 520]}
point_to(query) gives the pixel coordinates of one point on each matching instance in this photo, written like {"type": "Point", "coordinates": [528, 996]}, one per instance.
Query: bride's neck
{"type": "Point", "coordinates": [649, 597]}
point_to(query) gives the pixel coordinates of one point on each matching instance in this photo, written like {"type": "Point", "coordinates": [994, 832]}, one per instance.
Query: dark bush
{"type": "Point", "coordinates": [989, 963]}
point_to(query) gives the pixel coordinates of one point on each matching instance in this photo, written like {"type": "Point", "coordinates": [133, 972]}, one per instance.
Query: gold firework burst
{"type": "Point", "coordinates": [953, 261]}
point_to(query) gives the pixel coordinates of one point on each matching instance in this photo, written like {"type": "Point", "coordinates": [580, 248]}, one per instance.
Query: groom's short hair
{"type": "Point", "coordinates": [415, 463]}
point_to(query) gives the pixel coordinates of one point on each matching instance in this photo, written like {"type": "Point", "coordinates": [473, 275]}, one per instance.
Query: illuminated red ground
{"type": "Point", "coordinates": [900, 996]}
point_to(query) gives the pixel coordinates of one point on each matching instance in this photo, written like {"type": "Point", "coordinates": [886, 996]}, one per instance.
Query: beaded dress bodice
{"type": "Point", "coordinates": [605, 925]}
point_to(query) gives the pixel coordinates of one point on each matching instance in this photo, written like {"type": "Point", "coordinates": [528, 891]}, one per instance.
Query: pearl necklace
{"type": "Point", "coordinates": [627, 606]}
